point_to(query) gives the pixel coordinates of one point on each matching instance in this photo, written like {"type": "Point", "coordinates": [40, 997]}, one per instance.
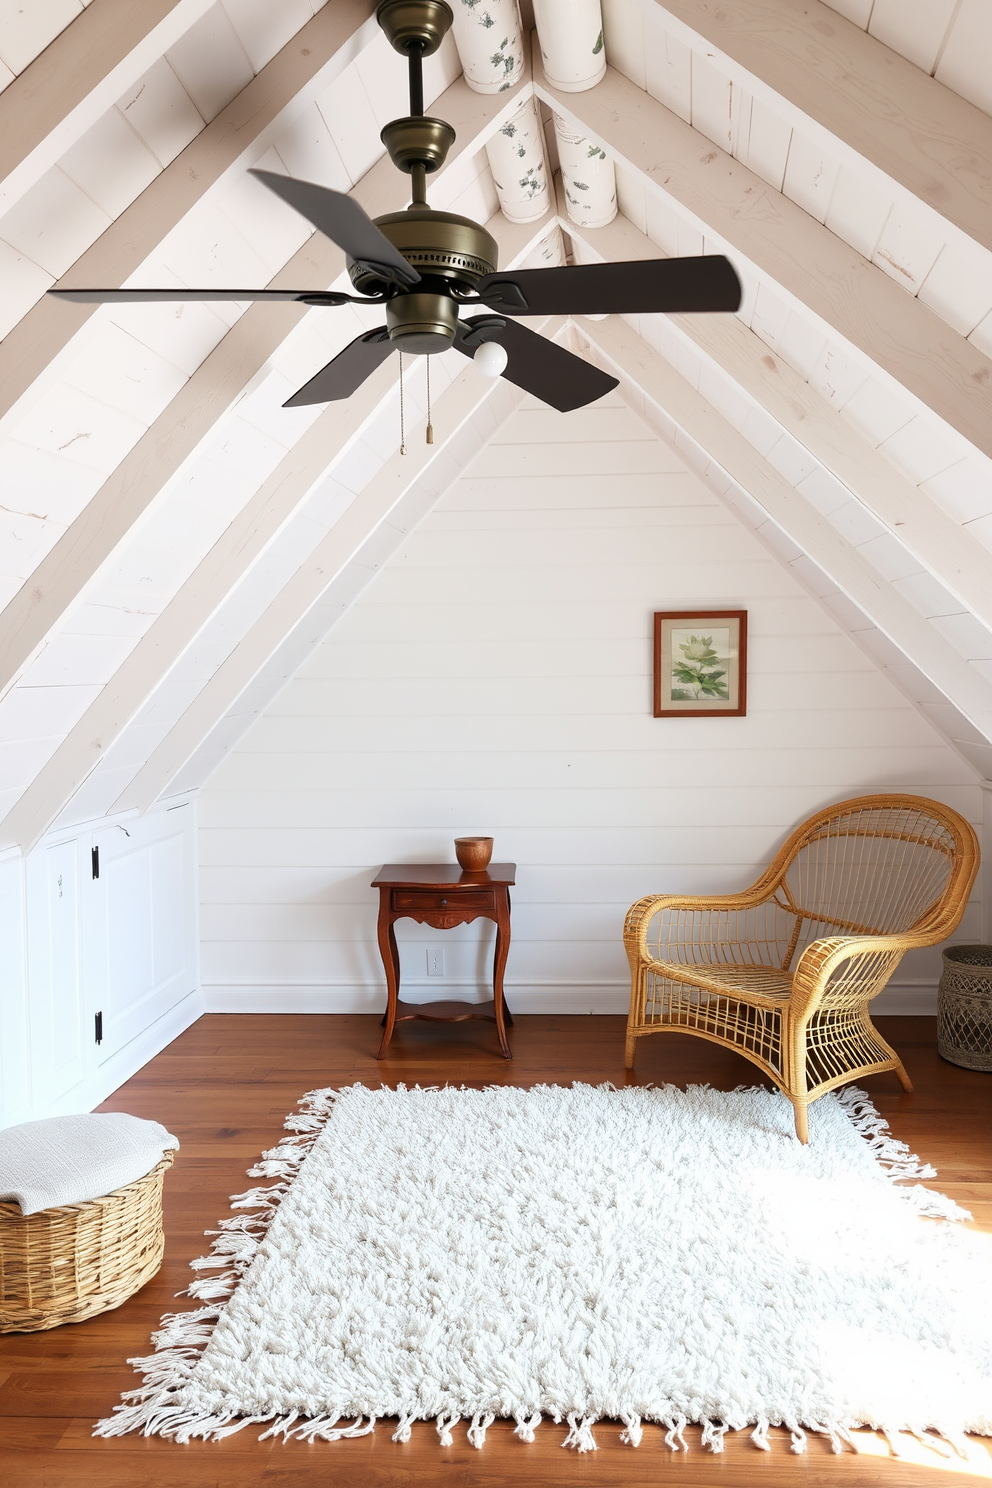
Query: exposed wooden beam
{"type": "Point", "coordinates": [109, 515]}
{"type": "Point", "coordinates": [219, 572]}
{"type": "Point", "coordinates": [312, 580]}
{"type": "Point", "coordinates": [213, 579]}
{"type": "Point", "coordinates": [865, 96]}
{"type": "Point", "coordinates": [323, 47]}
{"type": "Point", "coordinates": [941, 545]}
{"type": "Point", "coordinates": [78, 77]}
{"type": "Point", "coordinates": [630, 358]}
{"type": "Point", "coordinates": [846, 294]}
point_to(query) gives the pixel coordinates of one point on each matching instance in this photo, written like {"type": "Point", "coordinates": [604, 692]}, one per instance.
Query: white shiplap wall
{"type": "Point", "coordinates": [495, 677]}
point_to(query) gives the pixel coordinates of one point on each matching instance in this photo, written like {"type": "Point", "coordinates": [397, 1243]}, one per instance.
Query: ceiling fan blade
{"type": "Point", "coordinates": [346, 372]}
{"type": "Point", "coordinates": [537, 365]}
{"type": "Point", "coordinates": [147, 296]}
{"type": "Point", "coordinates": [342, 220]}
{"type": "Point", "coordinates": [667, 285]}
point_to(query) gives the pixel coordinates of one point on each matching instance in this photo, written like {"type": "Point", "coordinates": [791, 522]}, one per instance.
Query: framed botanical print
{"type": "Point", "coordinates": [700, 663]}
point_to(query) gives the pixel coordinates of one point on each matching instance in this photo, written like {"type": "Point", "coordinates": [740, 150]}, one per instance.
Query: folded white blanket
{"type": "Point", "coordinates": [69, 1159]}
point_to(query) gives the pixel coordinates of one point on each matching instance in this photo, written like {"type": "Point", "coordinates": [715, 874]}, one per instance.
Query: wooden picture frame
{"type": "Point", "coordinates": [709, 678]}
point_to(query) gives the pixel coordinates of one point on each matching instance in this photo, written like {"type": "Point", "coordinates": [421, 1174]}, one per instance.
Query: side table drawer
{"type": "Point", "coordinates": [421, 900]}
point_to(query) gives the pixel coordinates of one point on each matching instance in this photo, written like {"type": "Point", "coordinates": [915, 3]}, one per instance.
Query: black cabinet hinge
{"type": "Point", "coordinates": [98, 1027]}
{"type": "Point", "coordinates": [95, 861]}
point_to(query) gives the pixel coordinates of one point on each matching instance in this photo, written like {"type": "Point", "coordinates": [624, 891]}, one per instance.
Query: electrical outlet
{"type": "Point", "coordinates": [435, 961]}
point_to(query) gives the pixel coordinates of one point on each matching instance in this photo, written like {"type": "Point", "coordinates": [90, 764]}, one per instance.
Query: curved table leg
{"type": "Point", "coordinates": [503, 1015]}
{"type": "Point", "coordinates": [391, 965]}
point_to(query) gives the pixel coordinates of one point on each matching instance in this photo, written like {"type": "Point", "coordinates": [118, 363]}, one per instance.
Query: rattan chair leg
{"type": "Point", "coordinates": [635, 1016]}
{"type": "Point", "coordinates": [796, 1085]}
{"type": "Point", "coordinates": [903, 1078]}
{"type": "Point", "coordinates": [897, 1064]}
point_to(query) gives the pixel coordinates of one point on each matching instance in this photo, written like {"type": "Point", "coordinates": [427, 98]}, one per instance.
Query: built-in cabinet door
{"type": "Point", "coordinates": [15, 1073]}
{"type": "Point", "coordinates": [58, 1051]}
{"type": "Point", "coordinates": [141, 956]}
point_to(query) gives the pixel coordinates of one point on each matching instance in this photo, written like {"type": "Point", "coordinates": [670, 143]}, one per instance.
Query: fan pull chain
{"type": "Point", "coordinates": [430, 426]}
{"type": "Point", "coordinates": [402, 414]}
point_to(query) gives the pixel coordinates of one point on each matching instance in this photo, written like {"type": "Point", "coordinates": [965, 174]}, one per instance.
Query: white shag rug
{"type": "Point", "coordinates": [579, 1254]}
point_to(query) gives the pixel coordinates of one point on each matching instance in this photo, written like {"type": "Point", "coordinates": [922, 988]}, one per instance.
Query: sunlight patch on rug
{"type": "Point", "coordinates": [579, 1253]}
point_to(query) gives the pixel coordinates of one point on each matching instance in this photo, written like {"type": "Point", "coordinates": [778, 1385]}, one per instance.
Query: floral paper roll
{"type": "Point", "coordinates": [587, 176]}
{"type": "Point", "coordinates": [571, 36]}
{"type": "Point", "coordinates": [488, 37]}
{"type": "Point", "coordinates": [516, 159]}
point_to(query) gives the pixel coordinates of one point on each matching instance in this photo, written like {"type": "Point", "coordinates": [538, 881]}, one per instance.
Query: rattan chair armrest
{"type": "Point", "coordinates": [822, 958]}
{"type": "Point", "coordinates": [640, 915]}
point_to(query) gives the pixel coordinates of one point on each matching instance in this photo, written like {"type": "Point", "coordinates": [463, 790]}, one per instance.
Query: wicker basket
{"type": "Point", "coordinates": [964, 1007]}
{"type": "Point", "coordinates": [66, 1264]}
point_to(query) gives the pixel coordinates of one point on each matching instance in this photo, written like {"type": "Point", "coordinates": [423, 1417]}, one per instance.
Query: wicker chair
{"type": "Point", "coordinates": [784, 971]}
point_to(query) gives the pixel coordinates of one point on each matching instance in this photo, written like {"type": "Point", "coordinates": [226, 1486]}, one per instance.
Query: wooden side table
{"type": "Point", "coordinates": [443, 895]}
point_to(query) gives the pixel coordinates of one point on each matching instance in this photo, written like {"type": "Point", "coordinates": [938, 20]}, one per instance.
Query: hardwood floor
{"type": "Point", "coordinates": [226, 1085]}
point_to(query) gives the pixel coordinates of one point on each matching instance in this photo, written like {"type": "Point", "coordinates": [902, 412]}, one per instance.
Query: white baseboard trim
{"type": "Point", "coordinates": [913, 999]}
{"type": "Point", "coordinates": [523, 997]}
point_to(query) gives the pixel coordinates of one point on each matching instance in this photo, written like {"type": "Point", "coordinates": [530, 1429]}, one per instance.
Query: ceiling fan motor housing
{"type": "Point", "coordinates": [422, 324]}
{"type": "Point", "coordinates": [450, 253]}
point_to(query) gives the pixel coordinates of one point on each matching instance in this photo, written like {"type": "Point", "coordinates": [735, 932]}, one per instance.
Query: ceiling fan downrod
{"type": "Point", "coordinates": [451, 253]}
{"type": "Point", "coordinates": [417, 144]}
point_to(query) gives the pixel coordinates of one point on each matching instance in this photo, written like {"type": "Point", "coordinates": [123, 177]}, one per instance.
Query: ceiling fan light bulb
{"type": "Point", "coordinates": [490, 360]}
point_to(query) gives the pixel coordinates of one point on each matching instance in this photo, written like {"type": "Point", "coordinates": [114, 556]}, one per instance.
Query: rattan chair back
{"type": "Point", "coordinates": [868, 868]}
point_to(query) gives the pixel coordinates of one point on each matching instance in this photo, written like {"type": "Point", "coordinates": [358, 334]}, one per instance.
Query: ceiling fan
{"type": "Point", "coordinates": [426, 266]}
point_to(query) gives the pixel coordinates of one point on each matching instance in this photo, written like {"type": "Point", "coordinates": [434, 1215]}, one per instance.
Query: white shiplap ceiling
{"type": "Point", "coordinates": [174, 541]}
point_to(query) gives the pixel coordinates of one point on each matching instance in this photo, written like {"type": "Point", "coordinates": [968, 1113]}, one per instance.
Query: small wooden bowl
{"type": "Point", "coordinates": [473, 853]}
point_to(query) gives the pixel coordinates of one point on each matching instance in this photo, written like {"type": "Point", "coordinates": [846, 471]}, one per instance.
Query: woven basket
{"type": "Point", "coordinates": [964, 1007]}
{"type": "Point", "coordinates": [66, 1264]}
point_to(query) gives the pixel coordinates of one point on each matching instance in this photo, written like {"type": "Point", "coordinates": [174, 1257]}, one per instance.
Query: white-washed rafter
{"type": "Point", "coordinates": [106, 519]}
{"type": "Point", "coordinates": [936, 540]}
{"type": "Point", "coordinates": [630, 357]}
{"type": "Point", "coordinates": [862, 96]}
{"type": "Point", "coordinates": [850, 297]}
{"type": "Point", "coordinates": [77, 78]}
{"type": "Point", "coordinates": [239, 134]}
{"type": "Point", "coordinates": [219, 572]}
{"type": "Point", "coordinates": [312, 580]}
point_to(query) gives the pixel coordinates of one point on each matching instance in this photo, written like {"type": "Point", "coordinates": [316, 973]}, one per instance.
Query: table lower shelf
{"type": "Point", "coordinates": [451, 1011]}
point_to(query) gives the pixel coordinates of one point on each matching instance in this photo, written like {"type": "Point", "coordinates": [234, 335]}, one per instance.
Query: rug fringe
{"type": "Point", "coordinates": [580, 1433]}
{"type": "Point", "coordinates": [443, 1427]}
{"type": "Point", "coordinates": [674, 1439]}
{"type": "Point", "coordinates": [525, 1428]}
{"type": "Point", "coordinates": [713, 1434]}
{"type": "Point", "coordinates": [894, 1157]}
{"type": "Point", "coordinates": [154, 1409]}
{"type": "Point", "coordinates": [760, 1435]}
{"type": "Point", "coordinates": [631, 1433]}
{"type": "Point", "coordinates": [481, 1422]}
